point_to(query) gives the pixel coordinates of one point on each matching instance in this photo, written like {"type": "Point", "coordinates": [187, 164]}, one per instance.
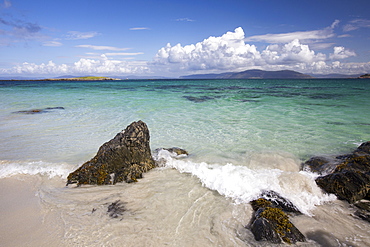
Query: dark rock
{"type": "Point", "coordinates": [363, 211]}
{"type": "Point", "coordinates": [124, 158]}
{"type": "Point", "coordinates": [177, 151]}
{"type": "Point", "coordinates": [347, 176]}
{"type": "Point", "coordinates": [198, 99]}
{"type": "Point", "coordinates": [116, 209]}
{"type": "Point", "coordinates": [263, 230]}
{"type": "Point", "coordinates": [37, 111]}
{"type": "Point", "coordinates": [347, 185]}
{"type": "Point", "coordinates": [321, 165]}
{"type": "Point", "coordinates": [174, 153]}
{"type": "Point", "coordinates": [273, 225]}
{"type": "Point", "coordinates": [364, 148]}
{"type": "Point", "coordinates": [278, 201]}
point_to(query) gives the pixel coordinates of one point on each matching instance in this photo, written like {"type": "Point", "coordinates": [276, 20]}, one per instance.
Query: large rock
{"type": "Point", "coordinates": [273, 225]}
{"type": "Point", "coordinates": [124, 158]}
{"type": "Point", "coordinates": [276, 201]}
{"type": "Point", "coordinates": [350, 178]}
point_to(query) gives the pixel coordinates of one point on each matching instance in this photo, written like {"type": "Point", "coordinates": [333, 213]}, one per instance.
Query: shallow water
{"type": "Point", "coordinates": [243, 136]}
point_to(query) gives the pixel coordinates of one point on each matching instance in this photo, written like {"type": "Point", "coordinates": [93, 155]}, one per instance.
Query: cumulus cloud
{"type": "Point", "coordinates": [230, 52]}
{"type": "Point", "coordinates": [341, 53]}
{"type": "Point", "coordinates": [81, 35]}
{"type": "Point", "coordinates": [102, 47]}
{"type": "Point", "coordinates": [225, 52]}
{"type": "Point", "coordinates": [83, 66]}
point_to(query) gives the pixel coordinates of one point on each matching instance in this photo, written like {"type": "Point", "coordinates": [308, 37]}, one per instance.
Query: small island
{"type": "Point", "coordinates": [365, 76]}
{"type": "Point", "coordinates": [82, 78]}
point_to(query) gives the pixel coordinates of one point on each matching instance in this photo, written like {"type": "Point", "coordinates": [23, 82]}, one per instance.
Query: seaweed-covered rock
{"type": "Point", "coordinates": [177, 151]}
{"type": "Point", "coordinates": [273, 225]}
{"type": "Point", "coordinates": [37, 111]}
{"type": "Point", "coordinates": [277, 201]}
{"type": "Point", "coordinates": [321, 165]}
{"type": "Point", "coordinates": [350, 179]}
{"type": "Point", "coordinates": [363, 210]}
{"type": "Point", "coordinates": [124, 158]}
{"type": "Point", "coordinates": [347, 185]}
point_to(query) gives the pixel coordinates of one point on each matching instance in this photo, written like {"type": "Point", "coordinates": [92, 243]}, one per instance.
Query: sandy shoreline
{"type": "Point", "coordinates": [22, 221]}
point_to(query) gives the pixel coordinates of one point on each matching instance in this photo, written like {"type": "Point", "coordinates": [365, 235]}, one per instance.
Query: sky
{"type": "Point", "coordinates": [171, 38]}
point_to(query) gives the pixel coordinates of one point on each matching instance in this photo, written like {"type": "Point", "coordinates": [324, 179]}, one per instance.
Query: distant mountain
{"type": "Point", "coordinates": [137, 77]}
{"type": "Point", "coordinates": [252, 74]}
{"type": "Point", "coordinates": [334, 76]}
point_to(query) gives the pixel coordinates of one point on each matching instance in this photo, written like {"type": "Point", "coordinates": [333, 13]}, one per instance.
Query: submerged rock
{"type": "Point", "coordinates": [124, 158]}
{"type": "Point", "coordinates": [363, 210]}
{"type": "Point", "coordinates": [173, 153]}
{"type": "Point", "coordinates": [37, 111]}
{"type": "Point", "coordinates": [177, 151]}
{"type": "Point", "coordinates": [350, 178]}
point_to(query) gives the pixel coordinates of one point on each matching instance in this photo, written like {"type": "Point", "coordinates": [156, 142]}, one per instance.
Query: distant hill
{"type": "Point", "coordinates": [252, 74]}
{"type": "Point", "coordinates": [333, 76]}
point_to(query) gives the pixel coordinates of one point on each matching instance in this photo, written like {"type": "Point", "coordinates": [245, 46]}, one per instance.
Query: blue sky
{"type": "Point", "coordinates": [174, 38]}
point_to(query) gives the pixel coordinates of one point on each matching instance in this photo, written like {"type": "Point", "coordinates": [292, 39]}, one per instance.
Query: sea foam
{"type": "Point", "coordinates": [12, 168]}
{"type": "Point", "coordinates": [244, 184]}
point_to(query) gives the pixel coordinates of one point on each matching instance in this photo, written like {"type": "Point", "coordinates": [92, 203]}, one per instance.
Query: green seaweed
{"type": "Point", "coordinates": [280, 220]}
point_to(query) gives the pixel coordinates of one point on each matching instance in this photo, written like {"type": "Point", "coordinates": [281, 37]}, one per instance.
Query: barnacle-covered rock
{"type": "Point", "coordinates": [124, 158]}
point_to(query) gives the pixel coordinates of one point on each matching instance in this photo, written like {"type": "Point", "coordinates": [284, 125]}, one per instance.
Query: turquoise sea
{"type": "Point", "coordinates": [243, 137]}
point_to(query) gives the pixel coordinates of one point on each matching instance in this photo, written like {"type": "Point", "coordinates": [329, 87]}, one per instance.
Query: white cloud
{"type": "Point", "coordinates": [301, 35]}
{"type": "Point", "coordinates": [230, 52]}
{"type": "Point", "coordinates": [101, 47]}
{"type": "Point", "coordinates": [83, 66]}
{"type": "Point", "coordinates": [185, 19]}
{"type": "Point", "coordinates": [290, 53]}
{"type": "Point", "coordinates": [341, 53]}
{"type": "Point", "coordinates": [81, 35]}
{"type": "Point", "coordinates": [52, 43]}
{"type": "Point", "coordinates": [139, 28]}
{"type": "Point", "coordinates": [123, 53]}
{"type": "Point", "coordinates": [356, 24]}
{"type": "Point", "coordinates": [225, 52]}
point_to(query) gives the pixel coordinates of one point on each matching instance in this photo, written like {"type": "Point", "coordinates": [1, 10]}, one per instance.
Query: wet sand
{"type": "Point", "coordinates": [22, 222]}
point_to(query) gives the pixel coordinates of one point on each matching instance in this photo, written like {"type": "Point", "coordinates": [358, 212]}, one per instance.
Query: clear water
{"type": "Point", "coordinates": [243, 136]}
